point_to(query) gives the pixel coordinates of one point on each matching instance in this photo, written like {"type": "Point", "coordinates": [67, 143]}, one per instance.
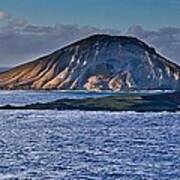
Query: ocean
{"type": "Point", "coordinates": [51, 144]}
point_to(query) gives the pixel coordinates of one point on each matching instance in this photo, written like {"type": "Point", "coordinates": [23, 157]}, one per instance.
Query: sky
{"type": "Point", "coordinates": [152, 14]}
{"type": "Point", "coordinates": [31, 28]}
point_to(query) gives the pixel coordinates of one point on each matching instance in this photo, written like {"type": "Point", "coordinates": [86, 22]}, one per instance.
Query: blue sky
{"type": "Point", "coordinates": [119, 14]}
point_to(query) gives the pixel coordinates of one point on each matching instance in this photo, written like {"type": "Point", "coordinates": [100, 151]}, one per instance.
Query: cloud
{"type": "Point", "coordinates": [18, 22]}
{"type": "Point", "coordinates": [30, 41]}
{"type": "Point", "coordinates": [166, 40]}
{"type": "Point", "coordinates": [3, 15]}
{"type": "Point", "coordinates": [22, 42]}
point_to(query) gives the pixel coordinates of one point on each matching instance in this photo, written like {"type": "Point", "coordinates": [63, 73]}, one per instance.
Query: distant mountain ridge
{"type": "Point", "coordinates": [98, 62]}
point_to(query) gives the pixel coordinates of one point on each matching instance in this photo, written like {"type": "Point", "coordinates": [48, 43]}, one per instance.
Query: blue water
{"type": "Point", "coordinates": [87, 145]}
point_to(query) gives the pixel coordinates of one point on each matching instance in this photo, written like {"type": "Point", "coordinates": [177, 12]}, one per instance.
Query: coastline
{"type": "Point", "coordinates": [165, 101]}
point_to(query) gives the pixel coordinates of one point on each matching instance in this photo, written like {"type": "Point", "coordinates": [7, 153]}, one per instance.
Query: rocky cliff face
{"type": "Point", "coordinates": [99, 62]}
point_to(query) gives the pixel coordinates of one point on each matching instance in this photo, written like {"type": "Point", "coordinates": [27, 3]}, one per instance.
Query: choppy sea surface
{"type": "Point", "coordinates": [86, 145]}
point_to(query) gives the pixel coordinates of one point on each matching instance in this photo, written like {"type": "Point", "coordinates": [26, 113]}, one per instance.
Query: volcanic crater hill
{"type": "Point", "coordinates": [99, 62]}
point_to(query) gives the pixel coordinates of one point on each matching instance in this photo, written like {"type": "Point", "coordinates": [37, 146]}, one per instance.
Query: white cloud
{"type": "Point", "coordinates": [19, 22]}
{"type": "Point", "coordinates": [3, 15]}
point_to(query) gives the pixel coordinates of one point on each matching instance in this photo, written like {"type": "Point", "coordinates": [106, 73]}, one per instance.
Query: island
{"type": "Point", "coordinates": [139, 102]}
